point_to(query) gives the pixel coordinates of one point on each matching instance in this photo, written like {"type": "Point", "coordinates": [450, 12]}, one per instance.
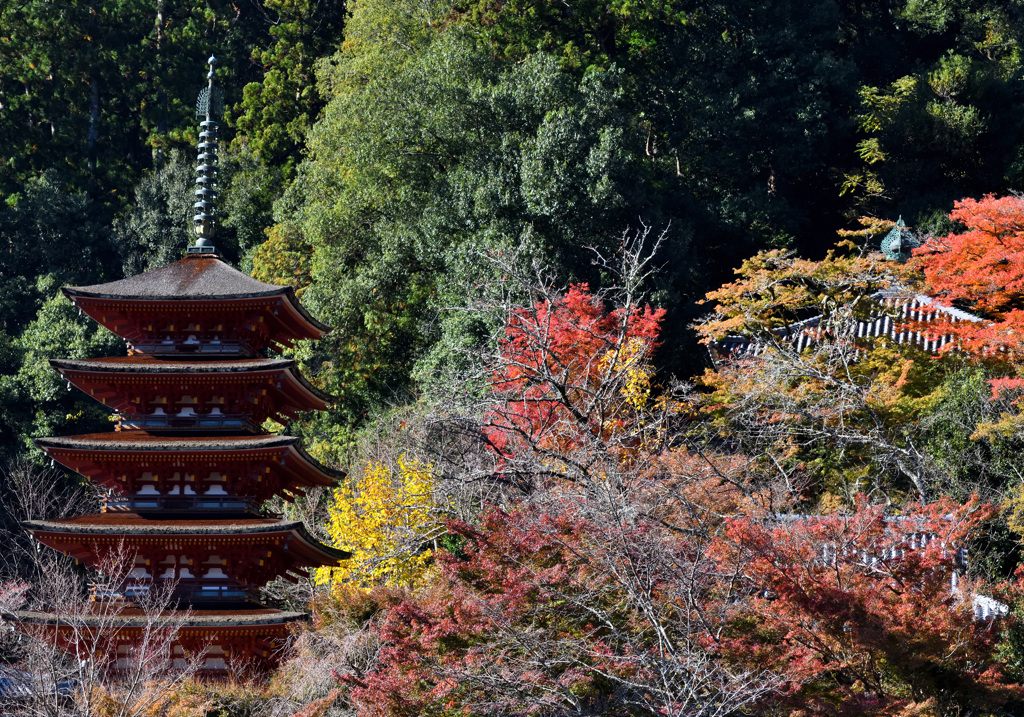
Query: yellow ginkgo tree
{"type": "Point", "coordinates": [388, 518]}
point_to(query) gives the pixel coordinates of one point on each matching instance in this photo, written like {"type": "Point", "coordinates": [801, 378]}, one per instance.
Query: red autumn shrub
{"type": "Point", "coordinates": [861, 614]}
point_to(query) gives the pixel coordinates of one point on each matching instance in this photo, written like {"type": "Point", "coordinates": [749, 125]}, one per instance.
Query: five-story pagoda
{"type": "Point", "coordinates": [189, 465]}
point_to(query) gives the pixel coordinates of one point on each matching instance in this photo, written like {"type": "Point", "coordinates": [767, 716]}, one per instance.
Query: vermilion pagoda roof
{"type": "Point", "coordinates": [92, 454]}
{"type": "Point", "coordinates": [79, 536]}
{"type": "Point", "coordinates": [148, 442]}
{"type": "Point", "coordinates": [155, 364]}
{"type": "Point", "coordinates": [254, 635]}
{"type": "Point", "coordinates": [295, 393]}
{"type": "Point", "coordinates": [134, 617]}
{"type": "Point", "coordinates": [197, 280]}
{"type": "Point", "coordinates": [128, 523]}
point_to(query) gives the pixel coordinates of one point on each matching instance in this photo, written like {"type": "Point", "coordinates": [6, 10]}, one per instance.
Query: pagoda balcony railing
{"type": "Point", "coordinates": [190, 346]}
{"type": "Point", "coordinates": [218, 593]}
{"type": "Point", "coordinates": [188, 591]}
{"type": "Point", "coordinates": [179, 502]}
{"type": "Point", "coordinates": [194, 421]}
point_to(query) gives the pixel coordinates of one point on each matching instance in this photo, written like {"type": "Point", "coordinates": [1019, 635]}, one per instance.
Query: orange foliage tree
{"type": "Point", "coordinates": [825, 404]}
{"type": "Point", "coordinates": [982, 268]}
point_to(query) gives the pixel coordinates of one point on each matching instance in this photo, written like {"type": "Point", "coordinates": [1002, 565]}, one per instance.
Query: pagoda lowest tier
{"type": "Point", "coordinates": [203, 393]}
{"type": "Point", "coordinates": [222, 559]}
{"type": "Point", "coordinates": [198, 305]}
{"type": "Point", "coordinates": [227, 638]}
{"type": "Point", "coordinates": [200, 473]}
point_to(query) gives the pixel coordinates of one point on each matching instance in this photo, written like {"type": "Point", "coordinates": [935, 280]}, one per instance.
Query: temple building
{"type": "Point", "coordinates": [189, 464]}
{"type": "Point", "coordinates": [899, 316]}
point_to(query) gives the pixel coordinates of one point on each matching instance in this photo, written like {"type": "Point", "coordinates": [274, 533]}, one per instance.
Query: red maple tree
{"type": "Point", "coordinates": [861, 613]}
{"type": "Point", "coordinates": [571, 373]}
{"type": "Point", "coordinates": [545, 610]}
{"type": "Point", "coordinates": [982, 269]}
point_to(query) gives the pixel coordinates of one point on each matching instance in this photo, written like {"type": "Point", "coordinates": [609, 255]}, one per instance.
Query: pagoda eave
{"type": "Point", "coordinates": [84, 534]}
{"type": "Point", "coordinates": [196, 621]}
{"type": "Point", "coordinates": [251, 637]}
{"type": "Point", "coordinates": [108, 458]}
{"type": "Point", "coordinates": [121, 383]}
{"type": "Point", "coordinates": [198, 283]}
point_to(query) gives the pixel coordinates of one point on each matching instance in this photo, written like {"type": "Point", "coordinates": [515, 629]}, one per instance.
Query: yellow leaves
{"type": "Point", "coordinates": [386, 518]}
{"type": "Point", "coordinates": [284, 258]}
{"type": "Point", "coordinates": [1009, 425]}
{"type": "Point", "coordinates": [1013, 507]}
{"type": "Point", "coordinates": [631, 363]}
{"type": "Point", "coordinates": [871, 226]}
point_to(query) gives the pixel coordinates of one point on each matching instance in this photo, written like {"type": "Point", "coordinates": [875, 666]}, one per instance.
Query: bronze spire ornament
{"type": "Point", "coordinates": [208, 106]}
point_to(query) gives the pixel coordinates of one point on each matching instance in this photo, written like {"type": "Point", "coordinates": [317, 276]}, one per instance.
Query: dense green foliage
{"type": "Point", "coordinates": [455, 134]}
{"type": "Point", "coordinates": [96, 116]}
{"type": "Point", "coordinates": [420, 151]}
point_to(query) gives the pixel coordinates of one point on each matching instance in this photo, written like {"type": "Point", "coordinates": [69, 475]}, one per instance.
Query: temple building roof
{"type": "Point", "coordinates": [147, 442]}
{"type": "Point", "coordinates": [899, 310]}
{"type": "Point", "coordinates": [154, 364]}
{"type": "Point", "coordinates": [144, 444]}
{"type": "Point", "coordinates": [899, 243]}
{"type": "Point", "coordinates": [116, 381]}
{"type": "Point", "coordinates": [84, 536]}
{"type": "Point", "coordinates": [125, 524]}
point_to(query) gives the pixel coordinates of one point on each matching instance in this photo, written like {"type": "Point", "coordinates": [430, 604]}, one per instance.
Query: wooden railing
{"type": "Point", "coordinates": [178, 502]}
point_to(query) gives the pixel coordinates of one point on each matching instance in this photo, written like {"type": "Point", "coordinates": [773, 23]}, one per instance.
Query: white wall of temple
{"type": "Point", "coordinates": [214, 657]}
{"type": "Point", "coordinates": [181, 483]}
{"type": "Point", "coordinates": [180, 567]}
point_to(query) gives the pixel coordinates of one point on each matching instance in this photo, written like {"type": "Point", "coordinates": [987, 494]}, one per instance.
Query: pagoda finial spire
{"type": "Point", "coordinates": [208, 106]}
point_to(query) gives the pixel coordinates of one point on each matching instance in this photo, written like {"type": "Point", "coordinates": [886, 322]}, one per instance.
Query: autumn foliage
{"type": "Point", "coordinates": [385, 517]}
{"type": "Point", "coordinates": [538, 612]}
{"type": "Point", "coordinates": [570, 372]}
{"type": "Point", "coordinates": [982, 268]}
{"type": "Point", "coordinates": [865, 613]}
{"type": "Point", "coordinates": [639, 566]}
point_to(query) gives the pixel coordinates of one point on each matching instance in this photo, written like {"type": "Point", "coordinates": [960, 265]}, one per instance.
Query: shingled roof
{"type": "Point", "coordinates": [899, 310]}
{"type": "Point", "coordinates": [169, 367]}
{"type": "Point", "coordinates": [157, 364]}
{"type": "Point", "coordinates": [194, 277]}
{"type": "Point", "coordinates": [194, 618]}
{"type": "Point", "coordinates": [86, 452]}
{"type": "Point", "coordinates": [125, 523]}
{"type": "Point", "coordinates": [197, 277]}
{"type": "Point", "coordinates": [149, 442]}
